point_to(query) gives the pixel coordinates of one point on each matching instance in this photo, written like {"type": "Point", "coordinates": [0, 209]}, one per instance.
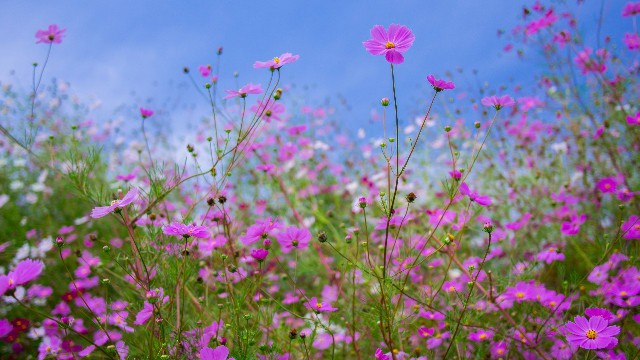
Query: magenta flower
{"type": "Point", "coordinates": [5, 328]}
{"type": "Point", "coordinates": [52, 35]}
{"type": "Point", "coordinates": [25, 271]}
{"type": "Point", "coordinates": [634, 120]}
{"type": "Point", "coordinates": [259, 254]}
{"type": "Point", "coordinates": [604, 313]}
{"type": "Point", "coordinates": [631, 228]}
{"type": "Point", "coordinates": [293, 237]}
{"type": "Point", "coordinates": [498, 102]}
{"type": "Point", "coordinates": [260, 230]}
{"type": "Point", "coordinates": [481, 335]}
{"type": "Point", "coordinates": [572, 227]}
{"type": "Point", "coordinates": [482, 200]}
{"type": "Point", "coordinates": [607, 185]}
{"type": "Point", "coordinates": [244, 91]}
{"type": "Point", "coordinates": [205, 70]}
{"type": "Point", "coordinates": [391, 44]}
{"type": "Point", "coordinates": [186, 231]}
{"type": "Point", "coordinates": [145, 314]}
{"type": "Point", "coordinates": [277, 62]}
{"type": "Point", "coordinates": [632, 40]}
{"type": "Point", "coordinates": [145, 113]}
{"type": "Point", "coordinates": [550, 255]}
{"type": "Point", "coordinates": [439, 85]}
{"type": "Point", "coordinates": [317, 306]}
{"type": "Point", "coordinates": [631, 9]}
{"type": "Point", "coordinates": [594, 333]}
{"type": "Point", "coordinates": [219, 353]}
{"type": "Point", "coordinates": [101, 211]}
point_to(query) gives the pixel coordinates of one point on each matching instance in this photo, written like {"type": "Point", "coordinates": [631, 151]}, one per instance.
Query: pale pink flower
{"type": "Point", "coordinates": [244, 91]}
{"type": "Point", "coordinates": [277, 62]}
{"type": "Point", "coordinates": [101, 211]}
{"type": "Point", "coordinates": [51, 35]}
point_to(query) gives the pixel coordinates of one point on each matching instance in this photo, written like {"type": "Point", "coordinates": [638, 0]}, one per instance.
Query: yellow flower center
{"type": "Point", "coordinates": [389, 45]}
{"type": "Point", "coordinates": [451, 288]}
{"type": "Point", "coordinates": [318, 305]}
{"type": "Point", "coordinates": [623, 293]}
{"type": "Point", "coordinates": [500, 351]}
{"type": "Point", "coordinates": [552, 249]}
{"type": "Point", "coordinates": [276, 60]}
{"type": "Point", "coordinates": [519, 295]}
{"type": "Point", "coordinates": [483, 336]}
{"type": "Point", "coordinates": [591, 334]}
{"type": "Point", "coordinates": [115, 202]}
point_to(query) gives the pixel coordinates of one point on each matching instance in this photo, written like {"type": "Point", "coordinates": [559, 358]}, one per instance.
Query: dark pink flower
{"type": "Point", "coordinates": [205, 70]}
{"type": "Point", "coordinates": [439, 85]}
{"type": "Point", "coordinates": [634, 119]}
{"type": "Point", "coordinates": [498, 102]}
{"type": "Point", "coordinates": [244, 91]}
{"type": "Point", "coordinates": [481, 335]}
{"type": "Point", "coordinates": [631, 9]}
{"type": "Point", "coordinates": [549, 255]}
{"type": "Point", "coordinates": [145, 314]}
{"type": "Point", "coordinates": [101, 211]}
{"type": "Point", "coordinates": [572, 227]}
{"type": "Point", "coordinates": [52, 35]}
{"type": "Point", "coordinates": [145, 113]}
{"type": "Point", "coordinates": [631, 228]}
{"type": "Point", "coordinates": [277, 62]}
{"type": "Point", "coordinates": [186, 231]}
{"type": "Point", "coordinates": [607, 185]}
{"type": "Point", "coordinates": [390, 43]}
{"type": "Point", "coordinates": [219, 353]}
{"type": "Point", "coordinates": [25, 271]}
{"type": "Point", "coordinates": [632, 40]}
{"type": "Point", "coordinates": [604, 313]}
{"type": "Point", "coordinates": [259, 254]}
{"type": "Point", "coordinates": [317, 306]}
{"type": "Point", "coordinates": [594, 333]}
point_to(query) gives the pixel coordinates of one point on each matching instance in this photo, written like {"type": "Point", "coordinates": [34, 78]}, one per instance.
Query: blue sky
{"type": "Point", "coordinates": [123, 52]}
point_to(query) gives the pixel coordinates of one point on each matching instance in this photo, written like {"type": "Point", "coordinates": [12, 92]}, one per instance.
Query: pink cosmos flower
{"type": "Point", "coordinates": [219, 353]}
{"type": "Point", "coordinates": [293, 237]}
{"type": "Point", "coordinates": [317, 306]}
{"type": "Point", "coordinates": [145, 113]}
{"type": "Point", "coordinates": [594, 333]}
{"type": "Point", "coordinates": [5, 327]}
{"type": "Point", "coordinates": [607, 185]}
{"type": "Point", "coordinates": [439, 85]}
{"type": "Point", "coordinates": [205, 70]}
{"type": "Point", "coordinates": [550, 255]}
{"type": "Point", "coordinates": [604, 313]}
{"type": "Point", "coordinates": [482, 200]}
{"type": "Point", "coordinates": [186, 231]}
{"type": "Point", "coordinates": [259, 254]}
{"type": "Point", "coordinates": [588, 64]}
{"type": "Point", "coordinates": [631, 9]}
{"type": "Point", "coordinates": [25, 271]}
{"type": "Point", "coordinates": [631, 228]}
{"type": "Point", "coordinates": [52, 35]}
{"type": "Point", "coordinates": [145, 314]}
{"type": "Point", "coordinates": [632, 40]}
{"type": "Point", "coordinates": [390, 43]}
{"type": "Point", "coordinates": [498, 102]}
{"type": "Point", "coordinates": [634, 119]}
{"type": "Point", "coordinates": [101, 211]}
{"type": "Point", "coordinates": [481, 335]}
{"type": "Point", "coordinates": [572, 227]}
{"type": "Point", "coordinates": [262, 229]}
{"type": "Point", "coordinates": [277, 62]}
{"type": "Point", "coordinates": [243, 91]}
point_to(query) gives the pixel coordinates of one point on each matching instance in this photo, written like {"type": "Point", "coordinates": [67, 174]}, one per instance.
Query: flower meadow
{"type": "Point", "coordinates": [501, 223]}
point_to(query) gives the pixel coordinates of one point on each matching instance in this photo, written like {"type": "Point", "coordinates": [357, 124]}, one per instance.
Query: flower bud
{"type": "Point", "coordinates": [384, 101]}
{"type": "Point", "coordinates": [411, 197]}
{"type": "Point", "coordinates": [322, 236]}
{"type": "Point", "coordinates": [362, 202]}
